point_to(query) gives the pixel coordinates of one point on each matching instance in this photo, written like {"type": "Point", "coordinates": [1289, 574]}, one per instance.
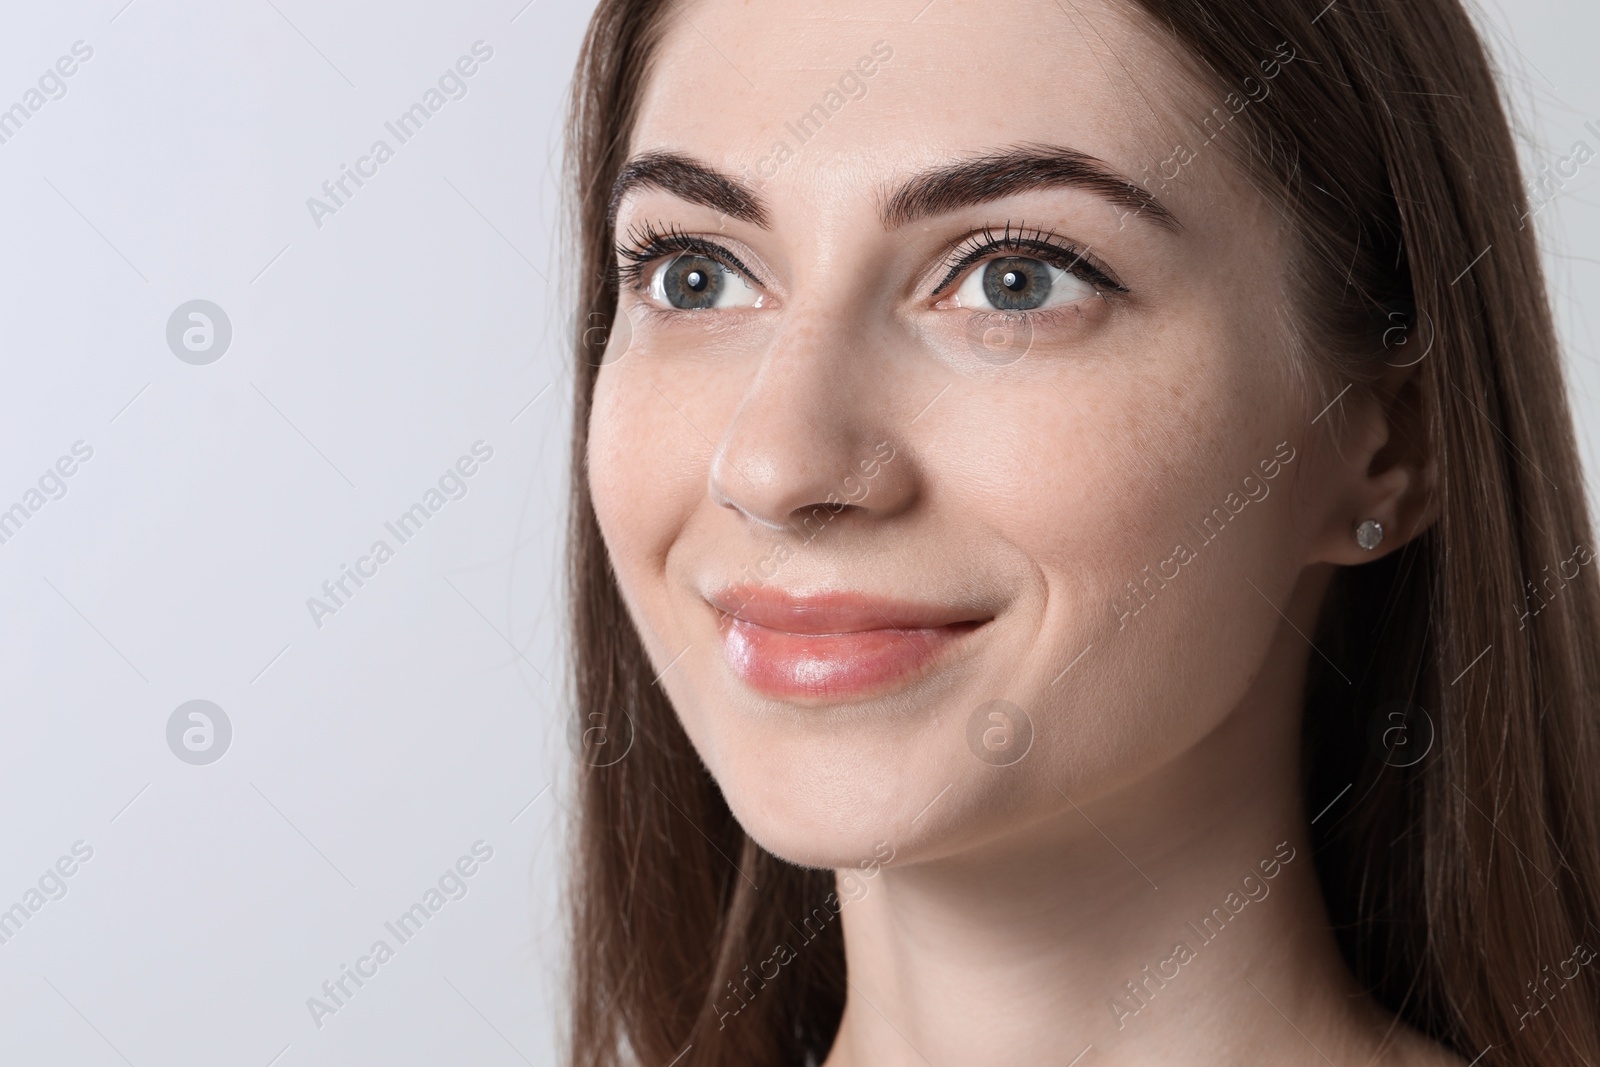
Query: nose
{"type": "Point", "coordinates": [815, 434]}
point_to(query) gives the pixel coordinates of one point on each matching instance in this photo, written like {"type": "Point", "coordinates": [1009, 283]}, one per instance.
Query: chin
{"type": "Point", "coordinates": [836, 788]}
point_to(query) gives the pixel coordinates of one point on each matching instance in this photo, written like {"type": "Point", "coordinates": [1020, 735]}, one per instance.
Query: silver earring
{"type": "Point", "coordinates": [1369, 535]}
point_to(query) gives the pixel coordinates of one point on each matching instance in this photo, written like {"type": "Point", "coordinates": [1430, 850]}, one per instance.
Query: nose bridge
{"type": "Point", "coordinates": [812, 429]}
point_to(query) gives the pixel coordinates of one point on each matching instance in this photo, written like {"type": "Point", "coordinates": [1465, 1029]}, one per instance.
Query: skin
{"type": "Point", "coordinates": [1019, 899]}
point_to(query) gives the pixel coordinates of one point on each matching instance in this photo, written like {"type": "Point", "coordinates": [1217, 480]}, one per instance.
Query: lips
{"type": "Point", "coordinates": [835, 645]}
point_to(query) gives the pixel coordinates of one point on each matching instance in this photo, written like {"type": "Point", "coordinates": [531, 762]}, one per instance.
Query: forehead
{"type": "Point", "coordinates": [837, 89]}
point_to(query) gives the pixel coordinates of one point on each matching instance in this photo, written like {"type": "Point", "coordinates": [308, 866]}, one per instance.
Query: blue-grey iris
{"type": "Point", "coordinates": [1016, 283]}
{"type": "Point", "coordinates": [691, 281]}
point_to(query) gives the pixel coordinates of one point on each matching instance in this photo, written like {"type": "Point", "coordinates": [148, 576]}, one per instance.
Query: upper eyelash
{"type": "Point", "coordinates": [645, 244]}
{"type": "Point", "coordinates": [1046, 244]}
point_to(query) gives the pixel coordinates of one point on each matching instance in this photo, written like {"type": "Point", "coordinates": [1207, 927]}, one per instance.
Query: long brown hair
{"type": "Point", "coordinates": [1463, 884]}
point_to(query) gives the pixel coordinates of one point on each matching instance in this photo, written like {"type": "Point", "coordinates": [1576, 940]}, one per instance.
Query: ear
{"type": "Point", "coordinates": [1377, 463]}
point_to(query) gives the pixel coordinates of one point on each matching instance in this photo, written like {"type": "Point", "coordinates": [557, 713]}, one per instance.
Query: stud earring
{"type": "Point", "coordinates": [1369, 535]}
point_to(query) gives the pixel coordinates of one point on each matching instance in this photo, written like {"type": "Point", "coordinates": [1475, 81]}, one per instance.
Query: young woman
{"type": "Point", "coordinates": [1079, 555]}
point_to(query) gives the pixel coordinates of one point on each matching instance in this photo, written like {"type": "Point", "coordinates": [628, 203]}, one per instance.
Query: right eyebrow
{"type": "Point", "coordinates": [690, 180]}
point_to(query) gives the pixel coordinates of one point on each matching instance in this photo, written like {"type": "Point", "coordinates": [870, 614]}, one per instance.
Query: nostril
{"type": "Point", "coordinates": [723, 500]}
{"type": "Point", "coordinates": [813, 518]}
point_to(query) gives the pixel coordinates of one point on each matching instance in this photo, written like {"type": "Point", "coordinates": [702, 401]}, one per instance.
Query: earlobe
{"type": "Point", "coordinates": [1383, 522]}
{"type": "Point", "coordinates": [1384, 459]}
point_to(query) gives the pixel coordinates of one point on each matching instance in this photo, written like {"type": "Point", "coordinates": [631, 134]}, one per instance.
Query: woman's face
{"type": "Point", "coordinates": [945, 473]}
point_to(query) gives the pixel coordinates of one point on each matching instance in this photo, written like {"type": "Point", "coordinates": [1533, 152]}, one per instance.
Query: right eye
{"type": "Point", "coordinates": [692, 282]}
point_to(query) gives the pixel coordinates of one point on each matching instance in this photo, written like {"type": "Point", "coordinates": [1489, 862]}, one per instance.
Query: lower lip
{"type": "Point", "coordinates": [833, 666]}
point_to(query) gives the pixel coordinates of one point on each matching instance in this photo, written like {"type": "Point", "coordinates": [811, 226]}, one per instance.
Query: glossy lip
{"type": "Point", "coordinates": [835, 645]}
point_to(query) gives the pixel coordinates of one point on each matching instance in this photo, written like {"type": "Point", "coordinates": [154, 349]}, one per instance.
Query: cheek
{"type": "Point", "coordinates": [1127, 494]}
{"type": "Point", "coordinates": [612, 468]}
{"type": "Point", "coordinates": [1095, 480]}
{"type": "Point", "coordinates": [1180, 497]}
{"type": "Point", "coordinates": [646, 474]}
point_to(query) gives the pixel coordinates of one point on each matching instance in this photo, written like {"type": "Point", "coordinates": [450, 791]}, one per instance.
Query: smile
{"type": "Point", "coordinates": [833, 646]}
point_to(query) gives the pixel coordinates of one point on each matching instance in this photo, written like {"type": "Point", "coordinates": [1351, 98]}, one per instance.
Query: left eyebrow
{"type": "Point", "coordinates": [1016, 170]}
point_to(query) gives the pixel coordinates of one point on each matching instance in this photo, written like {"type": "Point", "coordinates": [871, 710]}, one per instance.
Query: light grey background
{"type": "Point", "coordinates": [367, 355]}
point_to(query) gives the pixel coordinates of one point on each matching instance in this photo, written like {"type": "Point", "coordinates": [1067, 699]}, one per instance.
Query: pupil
{"type": "Point", "coordinates": [696, 280]}
{"type": "Point", "coordinates": [1013, 280]}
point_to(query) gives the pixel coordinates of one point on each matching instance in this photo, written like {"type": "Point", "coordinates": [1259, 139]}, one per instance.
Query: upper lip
{"type": "Point", "coordinates": [834, 612]}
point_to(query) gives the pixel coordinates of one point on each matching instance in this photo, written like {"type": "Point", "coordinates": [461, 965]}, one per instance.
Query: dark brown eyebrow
{"type": "Point", "coordinates": [971, 181]}
{"type": "Point", "coordinates": [692, 181]}
{"type": "Point", "coordinates": [1015, 170]}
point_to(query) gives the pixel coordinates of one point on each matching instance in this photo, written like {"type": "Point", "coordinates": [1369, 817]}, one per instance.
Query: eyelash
{"type": "Point", "coordinates": [1046, 245]}
{"type": "Point", "coordinates": [644, 244]}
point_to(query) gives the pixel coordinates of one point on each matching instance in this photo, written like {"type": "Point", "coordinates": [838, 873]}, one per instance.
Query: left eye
{"type": "Point", "coordinates": [693, 282]}
{"type": "Point", "coordinates": [1019, 283]}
